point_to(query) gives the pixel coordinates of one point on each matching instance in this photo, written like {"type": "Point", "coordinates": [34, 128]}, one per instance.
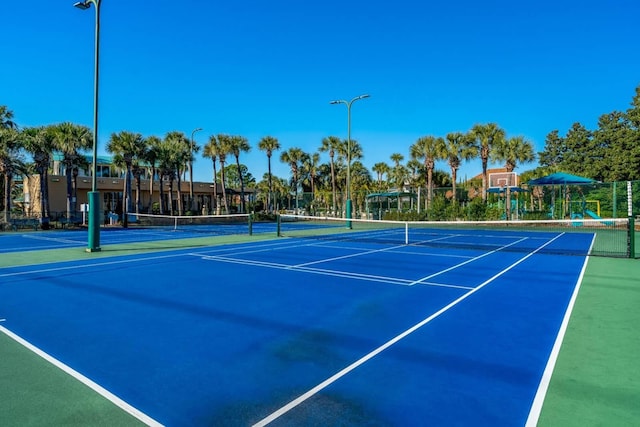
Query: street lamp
{"type": "Point", "coordinates": [348, 104]}
{"type": "Point", "coordinates": [93, 244]}
{"type": "Point", "coordinates": [191, 198]}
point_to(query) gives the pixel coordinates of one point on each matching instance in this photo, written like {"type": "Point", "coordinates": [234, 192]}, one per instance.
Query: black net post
{"type": "Point", "coordinates": [631, 238]}
{"type": "Point", "coordinates": [278, 233]}
{"type": "Point", "coordinates": [250, 224]}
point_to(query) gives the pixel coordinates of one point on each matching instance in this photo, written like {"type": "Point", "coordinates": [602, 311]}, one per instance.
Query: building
{"type": "Point", "coordinates": [111, 185]}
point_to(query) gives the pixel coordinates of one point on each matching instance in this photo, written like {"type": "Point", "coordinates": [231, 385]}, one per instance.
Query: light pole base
{"type": "Point", "coordinates": [93, 244]}
{"type": "Point", "coordinates": [348, 213]}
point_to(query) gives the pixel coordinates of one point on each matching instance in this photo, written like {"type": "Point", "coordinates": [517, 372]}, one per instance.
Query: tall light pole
{"type": "Point", "coordinates": [191, 198]}
{"type": "Point", "coordinates": [93, 244]}
{"type": "Point", "coordinates": [348, 104]}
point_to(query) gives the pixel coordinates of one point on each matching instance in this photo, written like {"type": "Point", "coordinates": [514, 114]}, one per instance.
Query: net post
{"type": "Point", "coordinates": [406, 233]}
{"type": "Point", "coordinates": [250, 220]}
{"type": "Point", "coordinates": [631, 244]}
{"type": "Point", "coordinates": [631, 232]}
{"type": "Point", "coordinates": [278, 232]}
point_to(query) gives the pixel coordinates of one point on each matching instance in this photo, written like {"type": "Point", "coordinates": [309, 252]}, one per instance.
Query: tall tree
{"type": "Point", "coordinates": [211, 151]}
{"type": "Point", "coordinates": [239, 144]}
{"type": "Point", "coordinates": [456, 148]}
{"type": "Point", "coordinates": [619, 144]}
{"type": "Point", "coordinates": [429, 149]}
{"type": "Point", "coordinates": [485, 138]}
{"type": "Point", "coordinates": [553, 154]}
{"type": "Point", "coordinates": [181, 151]}
{"type": "Point", "coordinates": [11, 162]}
{"type": "Point", "coordinates": [399, 173]}
{"type": "Point", "coordinates": [310, 164]}
{"type": "Point", "coordinates": [580, 151]}
{"type": "Point", "coordinates": [150, 156]}
{"type": "Point", "coordinates": [360, 179]}
{"type": "Point", "coordinates": [381, 169]}
{"type": "Point", "coordinates": [6, 118]}
{"type": "Point", "coordinates": [224, 142]}
{"type": "Point", "coordinates": [293, 157]}
{"type": "Point", "coordinates": [70, 140]}
{"type": "Point", "coordinates": [128, 148]}
{"type": "Point", "coordinates": [40, 143]}
{"type": "Point", "coordinates": [330, 145]}
{"type": "Point", "coordinates": [269, 144]}
{"type": "Point", "coordinates": [512, 151]}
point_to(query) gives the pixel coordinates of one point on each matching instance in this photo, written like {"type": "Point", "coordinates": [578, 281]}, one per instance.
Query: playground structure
{"type": "Point", "coordinates": [584, 208]}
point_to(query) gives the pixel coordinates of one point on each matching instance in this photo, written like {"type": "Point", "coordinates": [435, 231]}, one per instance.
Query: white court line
{"type": "Point", "coordinates": [445, 285]}
{"type": "Point", "coordinates": [52, 239]}
{"type": "Point", "coordinates": [464, 263]}
{"type": "Point", "coordinates": [324, 272]}
{"type": "Point", "coordinates": [397, 251]}
{"type": "Point", "coordinates": [73, 267]}
{"type": "Point", "coordinates": [97, 264]}
{"type": "Point", "coordinates": [84, 380]}
{"type": "Point", "coordinates": [300, 399]}
{"type": "Point", "coordinates": [346, 256]}
{"type": "Point", "coordinates": [536, 406]}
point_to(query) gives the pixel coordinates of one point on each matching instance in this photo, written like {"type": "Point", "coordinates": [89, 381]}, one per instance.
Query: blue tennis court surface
{"type": "Point", "coordinates": [302, 332]}
{"type": "Point", "coordinates": [19, 242]}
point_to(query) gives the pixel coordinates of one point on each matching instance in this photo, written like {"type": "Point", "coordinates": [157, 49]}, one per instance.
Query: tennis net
{"type": "Point", "coordinates": [209, 224]}
{"type": "Point", "coordinates": [602, 237]}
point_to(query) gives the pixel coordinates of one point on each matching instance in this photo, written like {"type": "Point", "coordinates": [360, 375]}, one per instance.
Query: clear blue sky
{"type": "Point", "coordinates": [258, 68]}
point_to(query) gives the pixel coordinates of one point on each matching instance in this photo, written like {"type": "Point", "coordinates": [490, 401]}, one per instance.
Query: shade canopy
{"type": "Point", "coordinates": [561, 178]}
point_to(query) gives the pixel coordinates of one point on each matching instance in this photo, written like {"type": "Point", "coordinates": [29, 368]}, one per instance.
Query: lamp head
{"type": "Point", "coordinates": [366, 95]}
{"type": "Point", "coordinates": [84, 5]}
{"type": "Point", "coordinates": [336, 102]}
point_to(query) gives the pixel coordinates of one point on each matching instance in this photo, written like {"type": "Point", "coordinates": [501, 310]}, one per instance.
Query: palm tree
{"type": "Point", "coordinates": [360, 179]}
{"type": "Point", "coordinates": [428, 148]}
{"type": "Point", "coordinates": [169, 164]}
{"type": "Point", "coordinates": [486, 138]}
{"type": "Point", "coordinates": [224, 142]}
{"type": "Point", "coordinates": [269, 144]}
{"type": "Point", "coordinates": [399, 172]}
{"type": "Point", "coordinates": [39, 141]}
{"type": "Point", "coordinates": [10, 163]}
{"type": "Point", "coordinates": [211, 151]}
{"type": "Point", "coordinates": [511, 151]}
{"type": "Point", "coordinates": [457, 147]}
{"type": "Point", "coordinates": [310, 164]}
{"type": "Point", "coordinates": [6, 118]}
{"type": "Point", "coordinates": [181, 152]}
{"type": "Point", "coordinates": [331, 144]}
{"type": "Point", "coordinates": [70, 139]}
{"type": "Point", "coordinates": [380, 168]}
{"type": "Point", "coordinates": [127, 147]}
{"type": "Point", "coordinates": [238, 144]}
{"type": "Point", "coordinates": [150, 156]}
{"type": "Point", "coordinates": [293, 157]}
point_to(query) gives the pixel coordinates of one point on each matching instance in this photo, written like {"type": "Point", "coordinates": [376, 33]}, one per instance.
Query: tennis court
{"type": "Point", "coordinates": [307, 331]}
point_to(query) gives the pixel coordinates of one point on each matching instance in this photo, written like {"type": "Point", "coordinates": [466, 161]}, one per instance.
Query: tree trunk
{"type": "Point", "coordinates": [333, 186]}
{"type": "Point", "coordinates": [242, 205]}
{"type": "Point", "coordinates": [224, 191]}
{"type": "Point", "coordinates": [7, 196]}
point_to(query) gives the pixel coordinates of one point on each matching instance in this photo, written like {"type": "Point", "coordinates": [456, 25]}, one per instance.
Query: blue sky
{"type": "Point", "coordinates": [258, 68]}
